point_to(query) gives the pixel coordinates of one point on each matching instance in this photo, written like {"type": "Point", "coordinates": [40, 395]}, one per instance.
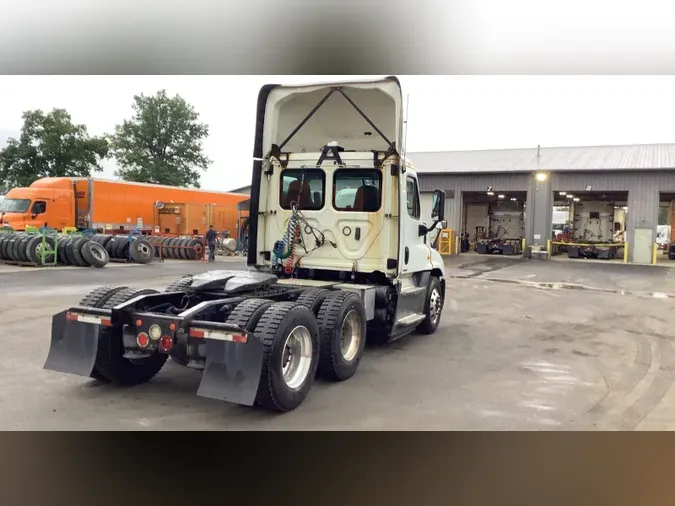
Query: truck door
{"type": "Point", "coordinates": [414, 261]}
{"type": "Point", "coordinates": [38, 214]}
{"type": "Point", "coordinates": [414, 255]}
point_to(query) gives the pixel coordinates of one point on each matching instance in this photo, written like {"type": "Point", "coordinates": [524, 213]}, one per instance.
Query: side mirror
{"type": "Point", "coordinates": [438, 206]}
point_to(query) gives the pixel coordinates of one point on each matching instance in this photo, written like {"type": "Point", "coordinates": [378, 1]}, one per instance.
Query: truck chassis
{"type": "Point", "coordinates": [258, 339]}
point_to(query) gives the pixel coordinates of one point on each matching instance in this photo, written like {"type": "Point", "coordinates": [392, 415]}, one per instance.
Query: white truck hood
{"type": "Point", "coordinates": [335, 120]}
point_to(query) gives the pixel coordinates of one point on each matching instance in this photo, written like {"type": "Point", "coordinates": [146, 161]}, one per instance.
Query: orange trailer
{"type": "Point", "coordinates": [105, 205]}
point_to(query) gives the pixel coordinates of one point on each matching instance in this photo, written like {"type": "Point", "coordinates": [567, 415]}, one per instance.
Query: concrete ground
{"type": "Point", "coordinates": [522, 346]}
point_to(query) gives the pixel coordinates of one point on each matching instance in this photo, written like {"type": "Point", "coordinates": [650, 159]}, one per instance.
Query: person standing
{"type": "Point", "coordinates": [211, 236]}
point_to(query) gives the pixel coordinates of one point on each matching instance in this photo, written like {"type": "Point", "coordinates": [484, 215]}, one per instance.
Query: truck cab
{"type": "Point", "coordinates": [331, 161]}
{"type": "Point", "coordinates": [48, 202]}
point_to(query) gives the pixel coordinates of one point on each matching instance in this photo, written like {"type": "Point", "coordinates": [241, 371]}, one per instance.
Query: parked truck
{"type": "Point", "coordinates": [325, 273]}
{"type": "Point", "coordinates": [104, 205]}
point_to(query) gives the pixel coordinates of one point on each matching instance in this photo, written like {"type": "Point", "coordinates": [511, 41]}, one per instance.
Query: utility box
{"type": "Point", "coordinates": [446, 242]}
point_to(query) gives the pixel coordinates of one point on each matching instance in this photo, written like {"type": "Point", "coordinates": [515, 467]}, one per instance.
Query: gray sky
{"type": "Point", "coordinates": [446, 112]}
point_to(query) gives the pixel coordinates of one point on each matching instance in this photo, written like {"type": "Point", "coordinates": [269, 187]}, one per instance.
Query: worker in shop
{"type": "Point", "coordinates": [211, 237]}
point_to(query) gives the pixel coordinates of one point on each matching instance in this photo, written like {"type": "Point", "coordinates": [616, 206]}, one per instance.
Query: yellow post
{"type": "Point", "coordinates": [522, 247]}
{"type": "Point", "coordinates": [456, 252]}
{"type": "Point", "coordinates": [548, 247]}
{"type": "Point", "coordinates": [655, 249]}
{"type": "Point", "coordinates": [625, 252]}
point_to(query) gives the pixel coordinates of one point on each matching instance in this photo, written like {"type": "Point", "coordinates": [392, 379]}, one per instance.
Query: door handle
{"type": "Point", "coordinates": [407, 255]}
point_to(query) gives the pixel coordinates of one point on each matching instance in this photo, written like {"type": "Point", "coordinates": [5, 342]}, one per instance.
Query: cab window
{"type": "Point", "coordinates": [413, 198]}
{"type": "Point", "coordinates": [357, 190]}
{"type": "Point", "coordinates": [39, 207]}
{"type": "Point", "coordinates": [303, 187]}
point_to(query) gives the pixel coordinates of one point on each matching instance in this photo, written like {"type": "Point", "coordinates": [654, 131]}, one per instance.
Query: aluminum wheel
{"type": "Point", "coordinates": [296, 360]}
{"type": "Point", "coordinates": [350, 337]}
{"type": "Point", "coordinates": [435, 306]}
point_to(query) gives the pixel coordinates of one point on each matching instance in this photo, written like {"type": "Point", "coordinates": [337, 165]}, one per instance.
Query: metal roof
{"type": "Point", "coordinates": [582, 158]}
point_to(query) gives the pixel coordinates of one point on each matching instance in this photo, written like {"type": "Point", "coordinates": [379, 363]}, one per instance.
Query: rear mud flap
{"type": "Point", "coordinates": [73, 346]}
{"type": "Point", "coordinates": [232, 371]}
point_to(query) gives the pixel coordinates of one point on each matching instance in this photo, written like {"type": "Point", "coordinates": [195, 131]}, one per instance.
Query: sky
{"type": "Point", "coordinates": [445, 112]}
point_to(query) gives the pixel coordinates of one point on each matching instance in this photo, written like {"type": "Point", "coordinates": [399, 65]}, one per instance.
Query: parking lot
{"type": "Point", "coordinates": [523, 345]}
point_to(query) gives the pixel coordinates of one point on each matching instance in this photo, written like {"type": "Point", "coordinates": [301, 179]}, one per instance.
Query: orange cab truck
{"type": "Point", "coordinates": [119, 206]}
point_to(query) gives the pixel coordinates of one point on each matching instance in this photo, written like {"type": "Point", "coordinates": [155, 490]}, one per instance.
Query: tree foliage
{"type": "Point", "coordinates": [161, 143]}
{"type": "Point", "coordinates": [50, 145]}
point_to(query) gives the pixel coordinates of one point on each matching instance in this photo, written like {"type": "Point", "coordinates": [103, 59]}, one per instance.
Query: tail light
{"type": "Point", "coordinates": [165, 344]}
{"type": "Point", "coordinates": [143, 340]}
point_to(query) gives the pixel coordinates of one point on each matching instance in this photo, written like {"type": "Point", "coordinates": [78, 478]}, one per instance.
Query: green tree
{"type": "Point", "coordinates": [161, 143]}
{"type": "Point", "coordinates": [50, 145]}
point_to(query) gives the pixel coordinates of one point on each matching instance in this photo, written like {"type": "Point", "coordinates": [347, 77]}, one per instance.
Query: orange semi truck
{"type": "Point", "coordinates": [105, 205]}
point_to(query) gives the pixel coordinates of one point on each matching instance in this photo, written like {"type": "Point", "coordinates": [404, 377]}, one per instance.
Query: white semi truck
{"type": "Point", "coordinates": [337, 255]}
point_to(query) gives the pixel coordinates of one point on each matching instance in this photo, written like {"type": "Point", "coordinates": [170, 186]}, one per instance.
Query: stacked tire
{"type": "Point", "coordinates": [120, 247]}
{"type": "Point", "coordinates": [178, 249]}
{"type": "Point", "coordinates": [66, 250]}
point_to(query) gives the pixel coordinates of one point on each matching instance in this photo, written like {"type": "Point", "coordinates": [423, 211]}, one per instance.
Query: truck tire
{"type": "Point", "coordinates": [313, 298]}
{"type": "Point", "coordinates": [165, 247]}
{"type": "Point", "coordinates": [286, 378]}
{"type": "Point", "coordinates": [110, 362]}
{"type": "Point", "coordinates": [167, 251]}
{"type": "Point", "coordinates": [196, 251]}
{"type": "Point", "coordinates": [4, 239]}
{"type": "Point", "coordinates": [60, 251]}
{"type": "Point", "coordinates": [433, 307]}
{"type": "Point", "coordinates": [122, 248]}
{"type": "Point", "coordinates": [12, 248]}
{"type": "Point", "coordinates": [97, 298]}
{"type": "Point", "coordinates": [342, 327]}
{"type": "Point", "coordinates": [21, 248]}
{"type": "Point", "coordinates": [34, 250]}
{"type": "Point", "coordinates": [177, 250]}
{"type": "Point", "coordinates": [179, 285]}
{"type": "Point", "coordinates": [76, 247]}
{"type": "Point", "coordinates": [110, 247]}
{"type": "Point", "coordinates": [95, 254]}
{"type": "Point", "coordinates": [104, 239]}
{"type": "Point", "coordinates": [247, 314]}
{"type": "Point", "coordinates": [156, 242]}
{"type": "Point", "coordinates": [142, 251]}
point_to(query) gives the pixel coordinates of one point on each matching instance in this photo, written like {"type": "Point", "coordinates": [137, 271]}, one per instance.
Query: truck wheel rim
{"type": "Point", "coordinates": [350, 335]}
{"type": "Point", "coordinates": [144, 249]}
{"type": "Point", "coordinates": [435, 306]}
{"type": "Point", "coordinates": [98, 254]}
{"type": "Point", "coordinates": [296, 359]}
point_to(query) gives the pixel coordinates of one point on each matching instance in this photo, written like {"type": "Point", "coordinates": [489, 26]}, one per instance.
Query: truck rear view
{"type": "Point", "coordinates": [337, 255]}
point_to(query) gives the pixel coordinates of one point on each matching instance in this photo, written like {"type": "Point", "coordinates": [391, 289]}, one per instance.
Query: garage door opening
{"type": "Point", "coordinates": [664, 228]}
{"type": "Point", "coordinates": [589, 225]}
{"type": "Point", "coordinates": [493, 222]}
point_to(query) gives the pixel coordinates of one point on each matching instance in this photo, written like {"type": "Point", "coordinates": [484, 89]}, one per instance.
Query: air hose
{"type": "Point", "coordinates": [285, 249]}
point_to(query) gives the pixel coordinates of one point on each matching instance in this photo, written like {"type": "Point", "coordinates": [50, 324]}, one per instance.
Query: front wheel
{"type": "Point", "coordinates": [433, 306]}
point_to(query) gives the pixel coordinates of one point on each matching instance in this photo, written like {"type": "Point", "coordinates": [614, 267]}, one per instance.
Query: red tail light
{"type": "Point", "coordinates": [143, 340]}
{"type": "Point", "coordinates": [165, 344]}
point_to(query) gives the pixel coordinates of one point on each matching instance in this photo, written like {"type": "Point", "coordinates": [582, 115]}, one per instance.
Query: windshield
{"type": "Point", "coordinates": [14, 205]}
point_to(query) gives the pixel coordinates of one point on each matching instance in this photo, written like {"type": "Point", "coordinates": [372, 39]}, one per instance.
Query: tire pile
{"type": "Point", "coordinates": [69, 250]}
{"type": "Point", "coordinates": [178, 249]}
{"type": "Point", "coordinates": [139, 249]}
